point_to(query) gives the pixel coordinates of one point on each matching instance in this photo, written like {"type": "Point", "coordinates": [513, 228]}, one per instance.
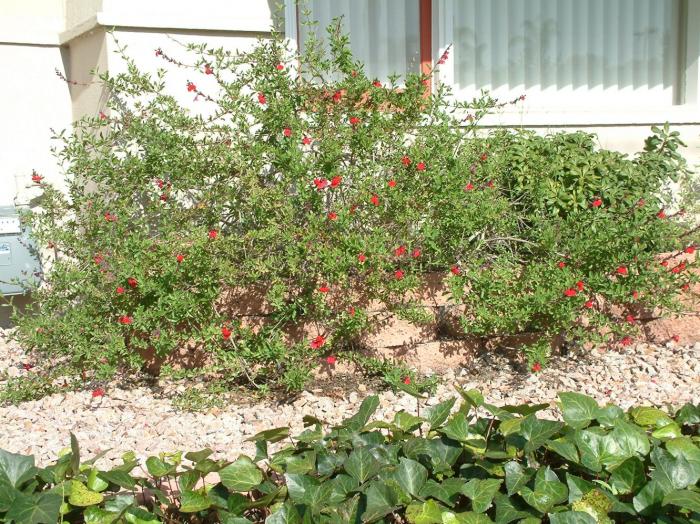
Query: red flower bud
{"type": "Point", "coordinates": [400, 251]}
{"type": "Point", "coordinates": [120, 290]}
{"type": "Point", "coordinates": [213, 234]}
{"type": "Point", "coordinates": [261, 99]}
{"type": "Point", "coordinates": [374, 200]}
{"type": "Point", "coordinates": [317, 342]}
{"type": "Point", "coordinates": [398, 274]}
{"type": "Point", "coordinates": [226, 333]}
{"type": "Point", "coordinates": [191, 87]}
{"type": "Point", "coordinates": [420, 166]}
{"type": "Point", "coordinates": [133, 283]}
{"type": "Point", "coordinates": [597, 203]}
{"type": "Point", "coordinates": [570, 292]}
{"type": "Point", "coordinates": [336, 180]}
{"type": "Point", "coordinates": [536, 367]}
{"type": "Point", "coordinates": [406, 161]}
{"type": "Point", "coordinates": [332, 215]}
{"type": "Point", "coordinates": [621, 270]}
{"type": "Point", "coordinates": [361, 258]}
{"type": "Point", "coordinates": [99, 392]}
{"type": "Point", "coordinates": [287, 132]}
{"type": "Point", "coordinates": [330, 360]}
{"type": "Point", "coordinates": [455, 270]}
{"type": "Point", "coordinates": [391, 183]}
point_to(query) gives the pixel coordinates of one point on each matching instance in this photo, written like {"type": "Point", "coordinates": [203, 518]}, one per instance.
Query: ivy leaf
{"type": "Point", "coordinates": [671, 472]}
{"type": "Point", "coordinates": [197, 456]}
{"type": "Point", "coordinates": [649, 499]}
{"type": "Point", "coordinates": [381, 500]}
{"type": "Point", "coordinates": [16, 469]}
{"type": "Point", "coordinates": [507, 510]}
{"type": "Point", "coordinates": [241, 475]}
{"type": "Point", "coordinates": [628, 477]}
{"type": "Point", "coordinates": [41, 508]}
{"type": "Point", "coordinates": [192, 502]}
{"type": "Point", "coordinates": [81, 496]}
{"type": "Point", "coordinates": [537, 431]}
{"type": "Point", "coordinates": [548, 492]}
{"type": "Point", "coordinates": [269, 435]}
{"type": "Point", "coordinates": [648, 416]}
{"type": "Point", "coordinates": [448, 491]}
{"type": "Point", "coordinates": [158, 468]}
{"type": "Point", "coordinates": [427, 513]}
{"type": "Point", "coordinates": [516, 476]}
{"type": "Point", "coordinates": [578, 410]}
{"type": "Point", "coordinates": [362, 465]}
{"type": "Point", "coordinates": [406, 421]}
{"type": "Point", "coordinates": [437, 415]}
{"type": "Point", "coordinates": [481, 493]}
{"type": "Point", "coordinates": [688, 414]}
{"type": "Point", "coordinates": [359, 420]}
{"type": "Point", "coordinates": [684, 499]}
{"type": "Point", "coordinates": [74, 455]}
{"type": "Point", "coordinates": [118, 477]}
{"type": "Point", "coordinates": [571, 517]}
{"type": "Point", "coordinates": [411, 475]}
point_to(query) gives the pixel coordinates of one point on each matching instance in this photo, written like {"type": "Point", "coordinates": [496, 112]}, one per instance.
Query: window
{"type": "Point", "coordinates": [620, 56]}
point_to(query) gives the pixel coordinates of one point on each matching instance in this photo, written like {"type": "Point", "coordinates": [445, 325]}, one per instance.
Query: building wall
{"type": "Point", "coordinates": [38, 37]}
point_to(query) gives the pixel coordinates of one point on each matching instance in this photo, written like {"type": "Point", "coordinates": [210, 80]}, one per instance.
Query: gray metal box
{"type": "Point", "coordinates": [18, 258]}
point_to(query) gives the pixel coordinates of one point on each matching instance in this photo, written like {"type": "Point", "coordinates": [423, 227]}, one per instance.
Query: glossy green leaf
{"type": "Point", "coordinates": [578, 410]}
{"type": "Point", "coordinates": [241, 475]}
{"type": "Point", "coordinates": [481, 493]}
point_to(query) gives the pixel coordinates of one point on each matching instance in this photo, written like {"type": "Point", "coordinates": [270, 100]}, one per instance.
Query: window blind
{"type": "Point", "coordinates": [568, 52]}
{"type": "Point", "coordinates": [384, 34]}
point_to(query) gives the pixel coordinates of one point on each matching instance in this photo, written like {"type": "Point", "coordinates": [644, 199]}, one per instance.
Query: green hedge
{"type": "Point", "coordinates": [480, 464]}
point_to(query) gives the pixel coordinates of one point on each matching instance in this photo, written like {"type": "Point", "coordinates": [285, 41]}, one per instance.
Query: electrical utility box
{"type": "Point", "coordinates": [19, 261]}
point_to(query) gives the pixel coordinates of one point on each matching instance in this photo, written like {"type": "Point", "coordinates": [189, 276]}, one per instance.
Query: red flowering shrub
{"type": "Point", "coordinates": [321, 184]}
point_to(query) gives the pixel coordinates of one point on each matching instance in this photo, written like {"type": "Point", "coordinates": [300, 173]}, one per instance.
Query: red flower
{"type": "Point", "coordinates": [27, 366]}
{"type": "Point", "coordinates": [262, 99]}
{"type": "Point", "coordinates": [160, 183]}
{"type": "Point", "coordinates": [208, 70]}
{"type": "Point", "coordinates": [180, 258]}
{"type": "Point", "coordinates": [213, 234]}
{"type": "Point", "coordinates": [676, 338]}
{"type": "Point", "coordinates": [337, 96]}
{"type": "Point", "coordinates": [406, 161]}
{"type": "Point", "coordinates": [630, 319]}
{"type": "Point", "coordinates": [661, 214]}
{"type": "Point", "coordinates": [361, 258]}
{"type": "Point", "coordinates": [159, 52]}
{"type": "Point", "coordinates": [126, 320]}
{"type": "Point", "coordinates": [690, 250]}
{"type": "Point", "coordinates": [635, 295]}
{"type": "Point", "coordinates": [455, 270]}
{"type": "Point", "coordinates": [109, 217]}
{"type": "Point", "coordinates": [132, 282]}
{"type": "Point", "coordinates": [306, 140]}
{"type": "Point", "coordinates": [279, 67]}
{"type": "Point", "coordinates": [332, 215]}
{"type": "Point", "coordinates": [191, 87]}
{"type": "Point", "coordinates": [98, 392]}
{"type": "Point", "coordinates": [489, 183]}
{"type": "Point", "coordinates": [664, 263]}
{"type": "Point", "coordinates": [588, 304]}
{"type": "Point", "coordinates": [416, 253]}
{"type": "Point", "coordinates": [469, 187]}
{"type": "Point", "coordinates": [336, 180]}
{"type": "Point", "coordinates": [351, 311]}
{"type": "Point", "coordinates": [420, 166]}
{"type": "Point", "coordinates": [320, 183]}
{"type": "Point", "coordinates": [98, 259]}
{"type": "Point", "coordinates": [561, 265]}
{"type": "Point", "coordinates": [536, 367]}
{"type": "Point", "coordinates": [377, 83]}
{"type": "Point", "coordinates": [398, 274]}
{"type": "Point", "coordinates": [120, 290]}
{"type": "Point", "coordinates": [226, 333]}
{"type": "Point", "coordinates": [391, 183]}
{"type": "Point", "coordinates": [354, 120]}
{"type": "Point", "coordinates": [597, 202]}
{"type": "Point", "coordinates": [407, 380]}
{"type": "Point", "coordinates": [579, 285]}
{"type": "Point", "coordinates": [399, 251]}
{"type": "Point", "coordinates": [680, 267]}
{"type": "Point", "coordinates": [37, 178]}
{"type": "Point", "coordinates": [621, 270]}
{"type": "Point", "coordinates": [626, 341]}
{"type": "Point", "coordinates": [163, 197]}
{"type": "Point", "coordinates": [374, 200]}
{"type": "Point", "coordinates": [330, 360]}
{"type": "Point", "coordinates": [685, 287]}
{"type": "Point", "coordinates": [641, 202]}
{"type": "Point", "coordinates": [484, 156]}
{"type": "Point", "coordinates": [324, 289]}
{"type": "Point", "coordinates": [102, 115]}
{"type": "Point", "coordinates": [570, 292]}
{"type": "Point", "coordinates": [318, 342]}
{"type": "Point", "coordinates": [287, 132]}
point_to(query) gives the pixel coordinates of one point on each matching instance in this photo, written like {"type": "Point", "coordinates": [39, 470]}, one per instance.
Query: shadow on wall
{"type": "Point", "coordinates": [22, 302]}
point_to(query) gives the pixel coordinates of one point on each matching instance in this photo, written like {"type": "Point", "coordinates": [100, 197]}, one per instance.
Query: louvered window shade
{"type": "Point", "coordinates": [384, 34]}
{"type": "Point", "coordinates": [568, 53]}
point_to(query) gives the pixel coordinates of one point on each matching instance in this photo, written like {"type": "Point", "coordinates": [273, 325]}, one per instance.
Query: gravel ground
{"type": "Point", "coordinates": [143, 419]}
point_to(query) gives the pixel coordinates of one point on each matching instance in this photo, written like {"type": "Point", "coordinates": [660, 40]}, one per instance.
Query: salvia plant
{"type": "Point", "coordinates": [473, 463]}
{"type": "Point", "coordinates": [323, 190]}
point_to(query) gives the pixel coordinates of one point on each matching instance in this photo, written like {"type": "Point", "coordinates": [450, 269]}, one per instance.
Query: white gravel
{"type": "Point", "coordinates": [144, 420]}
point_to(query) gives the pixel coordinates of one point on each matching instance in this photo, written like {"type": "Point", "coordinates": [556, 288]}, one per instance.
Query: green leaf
{"type": "Point", "coordinates": [302, 463]}
{"type": "Point", "coordinates": [648, 416]}
{"type": "Point", "coordinates": [649, 499]}
{"type": "Point", "coordinates": [448, 491]}
{"type": "Point", "coordinates": [427, 513]}
{"type": "Point", "coordinates": [82, 497]}
{"type": "Point", "coordinates": [188, 480]}
{"type": "Point", "coordinates": [564, 447]}
{"type": "Point", "coordinates": [549, 491]}
{"type": "Point", "coordinates": [41, 508]}
{"type": "Point", "coordinates": [157, 468]}
{"type": "Point", "coordinates": [361, 465]}
{"type": "Point", "coordinates": [457, 428]}
{"type": "Point", "coordinates": [75, 455]}
{"type": "Point", "coordinates": [467, 517]}
{"type": "Point", "coordinates": [537, 431]}
{"type": "Point", "coordinates": [192, 502]}
{"type": "Point", "coordinates": [578, 487]}
{"type": "Point", "coordinates": [287, 514]}
{"type": "Point", "coordinates": [140, 516]}
{"type": "Point", "coordinates": [571, 517]}
{"type": "Point", "coordinates": [381, 500]}
{"type": "Point", "coordinates": [359, 420]}
{"type": "Point", "coordinates": [97, 515]}
{"type": "Point", "coordinates": [630, 439]}
{"type": "Point", "coordinates": [481, 493]}
{"type": "Point", "coordinates": [118, 477]}
{"type": "Point", "coordinates": [668, 431]}
{"type": "Point", "coordinates": [241, 475]}
{"type": "Point", "coordinates": [672, 473]}
{"type": "Point", "coordinates": [628, 477]}
{"type": "Point", "coordinates": [411, 475]}
{"type": "Point", "coordinates": [578, 410]}
{"type": "Point", "coordinates": [196, 456]}
{"type": "Point", "coordinates": [16, 469]}
{"type": "Point", "coordinates": [270, 435]}
{"type": "Point", "coordinates": [688, 414]}
{"type": "Point", "coordinates": [508, 510]}
{"type": "Point", "coordinates": [516, 476]}
{"type": "Point", "coordinates": [684, 447]}
{"type": "Point", "coordinates": [437, 415]}
{"type": "Point", "coordinates": [406, 421]}
{"type": "Point", "coordinates": [685, 498]}
{"type": "Point", "coordinates": [473, 397]}
{"type": "Point", "coordinates": [299, 487]}
{"type": "Point", "coordinates": [597, 448]}
{"type": "Point", "coordinates": [94, 482]}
